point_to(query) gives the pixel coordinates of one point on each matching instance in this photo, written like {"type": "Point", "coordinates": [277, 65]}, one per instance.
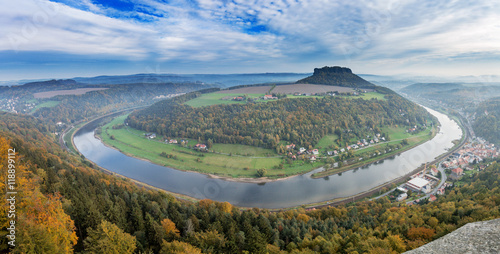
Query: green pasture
{"type": "Point", "coordinates": [216, 98]}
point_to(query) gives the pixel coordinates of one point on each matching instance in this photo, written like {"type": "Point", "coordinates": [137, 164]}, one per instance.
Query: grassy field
{"type": "Point", "coordinates": [67, 137]}
{"type": "Point", "coordinates": [243, 150]}
{"type": "Point", "coordinates": [133, 142]}
{"type": "Point", "coordinates": [291, 96]}
{"type": "Point", "coordinates": [327, 141]}
{"type": "Point", "coordinates": [67, 140]}
{"type": "Point", "coordinates": [216, 98]}
{"type": "Point", "coordinates": [47, 104]}
{"type": "Point", "coordinates": [397, 133]}
{"type": "Point", "coordinates": [373, 95]}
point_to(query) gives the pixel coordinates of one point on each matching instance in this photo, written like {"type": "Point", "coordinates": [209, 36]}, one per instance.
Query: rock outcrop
{"type": "Point", "coordinates": [478, 237]}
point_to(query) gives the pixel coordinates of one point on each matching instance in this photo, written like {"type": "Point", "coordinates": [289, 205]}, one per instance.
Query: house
{"type": "Point", "coordinates": [432, 198]}
{"type": "Point", "coordinates": [313, 158]}
{"type": "Point", "coordinates": [200, 146]}
{"type": "Point", "coordinates": [291, 146]}
{"type": "Point", "coordinates": [173, 141]}
{"type": "Point", "coordinates": [330, 153]}
{"type": "Point", "coordinates": [269, 97]}
{"type": "Point", "coordinates": [434, 171]}
{"type": "Point", "coordinates": [456, 173]}
{"type": "Point", "coordinates": [302, 149]}
{"type": "Point", "coordinates": [402, 197]}
{"type": "Point", "coordinates": [150, 135]}
{"type": "Point", "coordinates": [315, 151]}
{"type": "Point", "coordinates": [239, 98]}
{"type": "Point", "coordinates": [342, 150]}
{"type": "Point", "coordinates": [446, 164]}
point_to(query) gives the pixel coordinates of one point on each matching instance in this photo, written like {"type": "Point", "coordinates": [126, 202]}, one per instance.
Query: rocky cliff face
{"type": "Point", "coordinates": [336, 76]}
{"type": "Point", "coordinates": [479, 237]}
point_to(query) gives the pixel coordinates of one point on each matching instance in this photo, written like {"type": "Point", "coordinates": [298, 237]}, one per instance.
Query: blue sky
{"type": "Point", "coordinates": [68, 38]}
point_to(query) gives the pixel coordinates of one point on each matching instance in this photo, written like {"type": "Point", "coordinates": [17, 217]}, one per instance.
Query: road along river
{"type": "Point", "coordinates": [293, 191]}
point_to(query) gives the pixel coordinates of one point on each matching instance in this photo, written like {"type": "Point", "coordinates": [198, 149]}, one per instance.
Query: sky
{"type": "Point", "coordinates": [83, 38]}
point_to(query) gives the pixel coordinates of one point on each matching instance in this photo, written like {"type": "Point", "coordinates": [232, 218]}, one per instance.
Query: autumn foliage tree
{"type": "Point", "coordinates": [170, 229]}
{"type": "Point", "coordinates": [42, 226]}
{"type": "Point", "coordinates": [421, 233]}
{"type": "Point", "coordinates": [108, 238]}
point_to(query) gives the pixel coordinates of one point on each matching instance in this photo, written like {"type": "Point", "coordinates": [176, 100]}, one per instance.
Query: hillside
{"type": "Point", "coordinates": [300, 121]}
{"type": "Point", "coordinates": [465, 96]}
{"type": "Point", "coordinates": [426, 88]}
{"type": "Point", "coordinates": [487, 122]}
{"type": "Point", "coordinates": [284, 119]}
{"type": "Point", "coordinates": [336, 76]}
{"type": "Point", "coordinates": [479, 102]}
{"type": "Point", "coordinates": [76, 204]}
{"type": "Point", "coordinates": [26, 90]}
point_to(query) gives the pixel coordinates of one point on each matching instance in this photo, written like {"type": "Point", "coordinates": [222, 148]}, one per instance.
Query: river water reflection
{"type": "Point", "coordinates": [293, 191]}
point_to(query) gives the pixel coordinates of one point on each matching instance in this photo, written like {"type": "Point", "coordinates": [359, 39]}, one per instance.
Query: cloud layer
{"type": "Point", "coordinates": [259, 35]}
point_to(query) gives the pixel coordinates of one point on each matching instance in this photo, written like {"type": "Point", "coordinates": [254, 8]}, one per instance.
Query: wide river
{"type": "Point", "coordinates": [293, 191]}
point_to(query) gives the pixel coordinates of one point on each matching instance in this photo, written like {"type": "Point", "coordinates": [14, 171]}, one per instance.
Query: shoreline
{"type": "Point", "coordinates": [226, 178]}
{"type": "Point", "coordinates": [262, 180]}
{"type": "Point", "coordinates": [333, 202]}
{"type": "Point", "coordinates": [354, 166]}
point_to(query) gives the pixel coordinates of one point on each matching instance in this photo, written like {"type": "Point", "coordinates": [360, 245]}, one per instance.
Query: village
{"type": "Point", "coordinates": [291, 151]}
{"type": "Point", "coordinates": [432, 181]}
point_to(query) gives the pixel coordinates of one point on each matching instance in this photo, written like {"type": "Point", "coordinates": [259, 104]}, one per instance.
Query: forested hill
{"type": "Point", "coordinates": [300, 121]}
{"type": "Point", "coordinates": [487, 122]}
{"type": "Point", "coordinates": [27, 90]}
{"type": "Point", "coordinates": [336, 76]}
{"type": "Point", "coordinates": [420, 88]}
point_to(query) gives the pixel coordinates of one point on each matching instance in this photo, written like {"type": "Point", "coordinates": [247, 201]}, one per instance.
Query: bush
{"type": "Point", "coordinates": [261, 172]}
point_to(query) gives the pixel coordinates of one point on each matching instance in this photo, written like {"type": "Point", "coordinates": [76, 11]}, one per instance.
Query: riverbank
{"type": "Point", "coordinates": [290, 193]}
{"type": "Point", "coordinates": [399, 180]}
{"type": "Point", "coordinates": [412, 144]}
{"type": "Point", "coordinates": [234, 167]}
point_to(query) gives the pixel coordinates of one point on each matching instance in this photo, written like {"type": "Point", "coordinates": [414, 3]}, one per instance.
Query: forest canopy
{"type": "Point", "coordinates": [300, 121]}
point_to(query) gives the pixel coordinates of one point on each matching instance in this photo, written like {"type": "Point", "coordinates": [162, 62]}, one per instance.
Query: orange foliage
{"type": "Point", "coordinates": [42, 224]}
{"type": "Point", "coordinates": [205, 203]}
{"type": "Point", "coordinates": [225, 207]}
{"type": "Point", "coordinates": [421, 233]}
{"type": "Point", "coordinates": [170, 227]}
{"type": "Point", "coordinates": [303, 217]}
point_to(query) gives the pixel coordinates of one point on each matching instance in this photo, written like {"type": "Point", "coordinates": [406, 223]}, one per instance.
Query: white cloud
{"type": "Point", "coordinates": [296, 32]}
{"type": "Point", "coordinates": [47, 26]}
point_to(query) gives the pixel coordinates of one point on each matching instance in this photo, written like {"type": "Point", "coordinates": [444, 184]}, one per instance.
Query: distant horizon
{"type": "Point", "coordinates": [437, 79]}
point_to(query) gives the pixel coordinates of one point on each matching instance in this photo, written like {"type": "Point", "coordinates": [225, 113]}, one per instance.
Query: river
{"type": "Point", "coordinates": [294, 191]}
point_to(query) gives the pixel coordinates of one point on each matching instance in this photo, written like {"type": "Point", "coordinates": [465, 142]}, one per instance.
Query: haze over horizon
{"type": "Point", "coordinates": [69, 38]}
